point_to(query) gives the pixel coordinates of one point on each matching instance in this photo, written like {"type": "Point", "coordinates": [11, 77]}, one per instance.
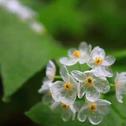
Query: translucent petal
{"type": "Point", "coordinates": [68, 61]}
{"type": "Point", "coordinates": [74, 82]}
{"type": "Point", "coordinates": [79, 76]}
{"type": "Point", "coordinates": [102, 85]}
{"type": "Point", "coordinates": [82, 114]}
{"type": "Point", "coordinates": [120, 91]}
{"type": "Point", "coordinates": [66, 115]}
{"type": "Point", "coordinates": [68, 97]}
{"type": "Point", "coordinates": [97, 52]}
{"type": "Point", "coordinates": [103, 106]}
{"type": "Point", "coordinates": [83, 60]}
{"type": "Point", "coordinates": [73, 109]}
{"type": "Point", "coordinates": [81, 90]}
{"type": "Point", "coordinates": [95, 118]}
{"type": "Point", "coordinates": [84, 47]}
{"type": "Point", "coordinates": [92, 94]}
{"type": "Point", "coordinates": [54, 105]}
{"type": "Point", "coordinates": [90, 62]}
{"type": "Point", "coordinates": [56, 90]}
{"type": "Point", "coordinates": [50, 70]}
{"type": "Point", "coordinates": [70, 52]}
{"type": "Point", "coordinates": [102, 72]}
{"type": "Point", "coordinates": [45, 86]}
{"type": "Point", "coordinates": [121, 78]}
{"type": "Point", "coordinates": [47, 98]}
{"type": "Point", "coordinates": [120, 83]}
{"type": "Point", "coordinates": [109, 60]}
{"type": "Point", "coordinates": [119, 97]}
{"type": "Point", "coordinates": [85, 50]}
{"type": "Point", "coordinates": [64, 73]}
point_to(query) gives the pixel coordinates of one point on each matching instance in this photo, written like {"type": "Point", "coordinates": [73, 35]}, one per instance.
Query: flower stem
{"type": "Point", "coordinates": [58, 77]}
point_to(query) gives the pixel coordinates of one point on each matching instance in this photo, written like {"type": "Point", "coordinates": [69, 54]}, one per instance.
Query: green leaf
{"type": "Point", "coordinates": [22, 52]}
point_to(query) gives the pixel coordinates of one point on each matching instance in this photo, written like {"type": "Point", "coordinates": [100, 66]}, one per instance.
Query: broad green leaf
{"type": "Point", "coordinates": [22, 52]}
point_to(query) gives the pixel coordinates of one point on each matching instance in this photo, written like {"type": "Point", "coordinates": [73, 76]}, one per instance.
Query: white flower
{"type": "Point", "coordinates": [94, 111]}
{"type": "Point", "coordinates": [80, 55]}
{"type": "Point", "coordinates": [67, 111]}
{"type": "Point", "coordinates": [120, 85]}
{"type": "Point", "coordinates": [48, 81]}
{"type": "Point", "coordinates": [100, 62]}
{"type": "Point", "coordinates": [90, 85]}
{"type": "Point", "coordinates": [64, 91]}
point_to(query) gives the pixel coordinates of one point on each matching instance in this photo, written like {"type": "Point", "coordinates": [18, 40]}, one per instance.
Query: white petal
{"type": "Point", "coordinates": [85, 50]}
{"type": "Point", "coordinates": [121, 78]}
{"type": "Point", "coordinates": [45, 86]}
{"type": "Point", "coordinates": [120, 82]}
{"type": "Point", "coordinates": [92, 94]}
{"type": "Point", "coordinates": [102, 85]}
{"type": "Point", "coordinates": [82, 114]}
{"type": "Point", "coordinates": [78, 75]}
{"type": "Point", "coordinates": [108, 61]}
{"type": "Point", "coordinates": [54, 105]}
{"type": "Point", "coordinates": [84, 47]}
{"type": "Point", "coordinates": [119, 97]}
{"type": "Point", "coordinates": [56, 90]}
{"type": "Point", "coordinates": [95, 118]}
{"type": "Point", "coordinates": [120, 92]}
{"type": "Point", "coordinates": [68, 97]}
{"type": "Point", "coordinates": [68, 61]}
{"type": "Point", "coordinates": [64, 73]}
{"type": "Point", "coordinates": [51, 70]}
{"type": "Point", "coordinates": [103, 106]}
{"type": "Point", "coordinates": [72, 107]}
{"type": "Point", "coordinates": [47, 98]}
{"type": "Point", "coordinates": [66, 115]}
{"type": "Point", "coordinates": [102, 72]}
{"type": "Point", "coordinates": [98, 52]}
{"type": "Point", "coordinates": [81, 90]}
{"type": "Point", "coordinates": [84, 58]}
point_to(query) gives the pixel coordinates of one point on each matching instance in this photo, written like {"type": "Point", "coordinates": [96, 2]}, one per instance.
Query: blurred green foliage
{"type": "Point", "coordinates": [99, 22]}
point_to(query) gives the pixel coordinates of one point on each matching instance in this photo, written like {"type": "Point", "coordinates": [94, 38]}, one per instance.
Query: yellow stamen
{"type": "Point", "coordinates": [92, 107]}
{"type": "Point", "coordinates": [98, 60]}
{"type": "Point", "coordinates": [64, 106]}
{"type": "Point", "coordinates": [89, 81]}
{"type": "Point", "coordinates": [77, 54]}
{"type": "Point", "coordinates": [68, 86]}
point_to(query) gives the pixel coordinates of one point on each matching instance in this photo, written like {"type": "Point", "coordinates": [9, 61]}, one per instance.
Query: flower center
{"type": "Point", "coordinates": [64, 106]}
{"type": "Point", "coordinates": [89, 81]}
{"type": "Point", "coordinates": [77, 54]}
{"type": "Point", "coordinates": [68, 86]}
{"type": "Point", "coordinates": [98, 60]}
{"type": "Point", "coordinates": [92, 107]}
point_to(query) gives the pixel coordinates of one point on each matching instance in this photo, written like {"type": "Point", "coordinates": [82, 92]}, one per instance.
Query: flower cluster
{"type": "Point", "coordinates": [83, 81]}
